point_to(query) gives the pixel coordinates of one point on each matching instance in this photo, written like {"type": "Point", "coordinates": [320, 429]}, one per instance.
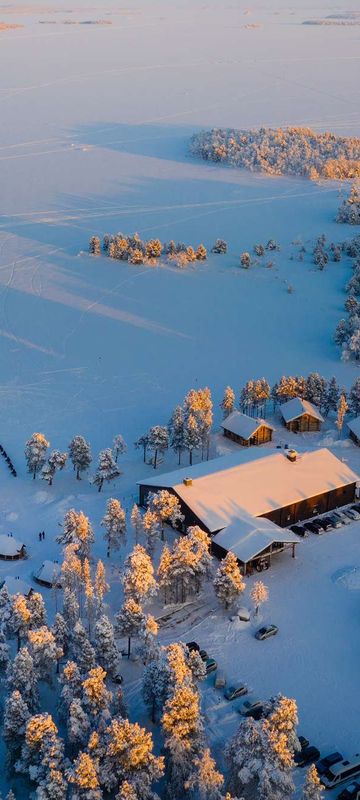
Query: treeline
{"type": "Point", "coordinates": [136, 251]}
{"type": "Point", "coordinates": [349, 210]}
{"type": "Point", "coordinates": [347, 333]}
{"type": "Point", "coordinates": [289, 151]}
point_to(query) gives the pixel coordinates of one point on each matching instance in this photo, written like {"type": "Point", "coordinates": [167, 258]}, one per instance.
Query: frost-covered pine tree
{"type": "Point", "coordinates": [78, 724]}
{"type": "Point", "coordinates": [205, 780]}
{"type": "Point", "coordinates": [354, 398]}
{"type": "Point", "coordinates": [332, 396]}
{"type": "Point", "coordinates": [72, 686]}
{"type": "Point", "coordinates": [37, 610]}
{"type": "Point", "coordinates": [122, 740]}
{"type": "Point", "coordinates": [56, 461]}
{"type": "Point", "coordinates": [192, 435]}
{"type": "Point", "coordinates": [228, 402]}
{"type": "Point", "coordinates": [155, 687]}
{"type": "Point", "coordinates": [150, 524]}
{"type": "Point", "coordinates": [313, 789]}
{"type": "Point", "coordinates": [138, 579]}
{"type": "Point", "coordinates": [76, 530]}
{"type": "Point", "coordinates": [71, 609]}
{"type": "Point", "coordinates": [84, 780]}
{"type": "Point", "coordinates": [176, 431]}
{"type": "Point", "coordinates": [82, 650]}
{"type": "Point", "coordinates": [341, 412]}
{"type": "Point", "coordinates": [182, 729]}
{"type": "Point", "coordinates": [22, 678]}
{"type": "Point", "coordinates": [316, 389]}
{"type": "Point", "coordinates": [107, 469]}
{"type": "Point", "coordinates": [106, 650]}
{"type": "Point", "coordinates": [94, 246]}
{"type": "Point", "coordinates": [114, 522]}
{"type": "Point", "coordinates": [167, 508]}
{"type": "Point", "coordinates": [80, 455]}
{"type": "Point", "coordinates": [283, 721]}
{"type": "Point", "coordinates": [148, 635]}
{"type": "Point", "coordinates": [5, 607]}
{"type": "Point", "coordinates": [164, 573]}
{"type": "Point", "coordinates": [158, 441]}
{"type": "Point", "coordinates": [61, 635]}
{"type": "Point", "coordinates": [349, 210]}
{"type": "Point", "coordinates": [259, 595]}
{"type": "Point", "coordinates": [196, 665]}
{"type": "Point", "coordinates": [20, 619]}
{"type": "Point", "coordinates": [119, 446]}
{"type": "Point", "coordinates": [44, 651]}
{"type": "Point", "coordinates": [219, 247]}
{"type": "Point", "coordinates": [228, 581]}
{"type": "Point", "coordinates": [42, 758]}
{"type": "Point", "coordinates": [260, 765]}
{"type": "Point", "coordinates": [97, 697]}
{"type": "Point", "coordinates": [101, 585]}
{"type": "Point", "coordinates": [4, 650]}
{"type": "Point", "coordinates": [35, 453]}
{"type": "Point", "coordinates": [136, 521]}
{"type": "Point", "coordinates": [16, 715]}
{"type": "Point", "coordinates": [129, 621]}
{"type": "Point", "coordinates": [245, 260]}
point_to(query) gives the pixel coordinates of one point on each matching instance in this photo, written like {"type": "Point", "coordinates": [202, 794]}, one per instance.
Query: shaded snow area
{"type": "Point", "coordinates": [95, 125]}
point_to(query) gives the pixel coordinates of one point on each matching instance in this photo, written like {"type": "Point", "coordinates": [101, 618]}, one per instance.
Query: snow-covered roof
{"type": "Point", "coordinates": [9, 546]}
{"type": "Point", "coordinates": [354, 426]}
{"type": "Point", "coordinates": [16, 585]}
{"type": "Point", "coordinates": [249, 536]}
{"type": "Point", "coordinates": [297, 407]}
{"type": "Point", "coordinates": [48, 571]}
{"type": "Point", "coordinates": [253, 481]}
{"type": "Point", "coordinates": [242, 425]}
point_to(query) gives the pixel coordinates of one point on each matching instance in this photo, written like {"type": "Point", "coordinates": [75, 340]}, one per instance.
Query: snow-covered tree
{"type": "Point", "coordinates": [4, 650]}
{"type": "Point", "coordinates": [260, 764]}
{"type": "Point", "coordinates": [200, 544]}
{"type": "Point", "coordinates": [150, 525]}
{"type": "Point", "coordinates": [119, 446]}
{"type": "Point", "coordinates": [101, 585]}
{"type": "Point", "coordinates": [228, 581]}
{"type": "Point", "coordinates": [60, 632]}
{"type": "Point", "coordinates": [332, 396]}
{"type": "Point", "coordinates": [20, 619]}
{"type": "Point", "coordinates": [201, 254]}
{"type": "Point", "coordinates": [259, 595]}
{"type": "Point", "coordinates": [114, 522]}
{"type": "Point", "coordinates": [84, 780]}
{"type": "Point", "coordinates": [129, 621]}
{"type": "Point", "coordinates": [16, 715]}
{"type": "Point", "coordinates": [228, 402]}
{"type": "Point", "coordinates": [349, 210]}
{"type": "Point", "coordinates": [22, 678]}
{"type": "Point", "coordinates": [55, 462]}
{"type": "Point", "coordinates": [158, 441]}
{"type": "Point", "coordinates": [44, 651]}
{"type": "Point", "coordinates": [72, 687]}
{"type": "Point", "coordinates": [167, 508]}
{"type": "Point", "coordinates": [37, 610]}
{"type": "Point", "coordinates": [164, 572]}
{"type": "Point", "coordinates": [138, 579]}
{"type": "Point", "coordinates": [313, 789]}
{"type": "Point", "coordinates": [5, 607]}
{"type": "Point", "coordinates": [71, 609]}
{"type": "Point", "coordinates": [198, 404]}
{"type": "Point", "coordinates": [42, 757]}
{"type": "Point", "coordinates": [94, 246]}
{"type": "Point", "coordinates": [341, 412]}
{"type": "Point", "coordinates": [245, 260]}
{"type": "Point", "coordinates": [155, 686]}
{"type": "Point", "coordinates": [142, 444]}
{"type": "Point", "coordinates": [148, 635]}
{"type": "Point", "coordinates": [196, 665]}
{"type": "Point", "coordinates": [107, 469]}
{"type": "Point", "coordinates": [96, 696]}
{"type": "Point", "coordinates": [76, 529]}
{"type": "Point", "coordinates": [205, 780]}
{"type": "Point", "coordinates": [192, 435]}
{"type": "Point", "coordinates": [176, 431]}
{"type": "Point", "coordinates": [136, 521]}
{"type": "Point", "coordinates": [80, 455]}
{"type": "Point", "coordinates": [283, 721]}
{"type": "Point", "coordinates": [219, 247]}
{"type": "Point", "coordinates": [106, 650]}
{"type": "Point", "coordinates": [129, 757]}
{"type": "Point", "coordinates": [78, 724]}
{"type": "Point", "coordinates": [354, 398]}
{"type": "Point", "coordinates": [83, 652]}
{"type": "Point", "coordinates": [182, 729]}
{"type": "Point", "coordinates": [316, 389]}
{"type": "Point", "coordinates": [35, 453]}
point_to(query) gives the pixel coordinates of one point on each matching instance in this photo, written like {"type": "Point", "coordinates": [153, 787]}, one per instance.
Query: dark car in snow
{"type": "Point", "coordinates": [328, 761]}
{"type": "Point", "coordinates": [193, 646]}
{"type": "Point", "coordinates": [308, 755]}
{"type": "Point", "coordinates": [266, 631]}
{"type": "Point", "coordinates": [299, 530]}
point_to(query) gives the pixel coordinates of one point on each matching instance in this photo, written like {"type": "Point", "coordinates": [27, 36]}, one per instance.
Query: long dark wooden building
{"type": "Point", "coordinates": [246, 430]}
{"type": "Point", "coordinates": [300, 416]}
{"type": "Point", "coordinates": [354, 430]}
{"type": "Point", "coordinates": [280, 485]}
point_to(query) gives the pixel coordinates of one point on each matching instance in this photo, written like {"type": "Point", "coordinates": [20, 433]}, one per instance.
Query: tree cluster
{"type": "Point", "coordinates": [349, 211]}
{"type": "Point", "coordinates": [347, 333]}
{"type": "Point", "coordinates": [131, 248]}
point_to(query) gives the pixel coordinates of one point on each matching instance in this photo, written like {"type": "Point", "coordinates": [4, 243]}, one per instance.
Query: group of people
{"type": "Point", "coordinates": [8, 461]}
{"type": "Point", "coordinates": [41, 535]}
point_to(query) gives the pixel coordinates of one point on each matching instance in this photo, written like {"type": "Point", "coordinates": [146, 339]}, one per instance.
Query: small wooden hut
{"type": "Point", "coordinates": [354, 430]}
{"type": "Point", "coordinates": [301, 416]}
{"type": "Point", "coordinates": [246, 430]}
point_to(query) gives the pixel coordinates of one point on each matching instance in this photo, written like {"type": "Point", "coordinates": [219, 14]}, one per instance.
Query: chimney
{"type": "Point", "coordinates": [291, 455]}
{"type": "Point", "coordinates": [187, 481]}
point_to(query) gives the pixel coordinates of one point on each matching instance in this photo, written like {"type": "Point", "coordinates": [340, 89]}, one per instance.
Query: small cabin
{"type": "Point", "coordinates": [246, 430]}
{"type": "Point", "coordinates": [10, 548]}
{"type": "Point", "coordinates": [354, 430]}
{"type": "Point", "coordinates": [49, 574]}
{"type": "Point", "coordinates": [300, 416]}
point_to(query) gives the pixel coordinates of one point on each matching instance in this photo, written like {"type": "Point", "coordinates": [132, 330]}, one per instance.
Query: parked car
{"type": "Point", "coordinates": [356, 506]}
{"type": "Point", "coordinates": [327, 523]}
{"type": "Point", "coordinates": [310, 526]}
{"type": "Point", "coordinates": [307, 755]}
{"type": "Point", "coordinates": [118, 678]}
{"type": "Point", "coordinates": [342, 517]}
{"type": "Point", "coordinates": [242, 614]}
{"type": "Point", "coordinates": [352, 513]}
{"type": "Point", "coordinates": [220, 680]}
{"type": "Point", "coordinates": [203, 654]}
{"type": "Point", "coordinates": [193, 646]}
{"type": "Point", "coordinates": [299, 530]}
{"type": "Point", "coordinates": [266, 631]}
{"type": "Point", "coordinates": [320, 523]}
{"type": "Point", "coordinates": [210, 665]}
{"type": "Point", "coordinates": [352, 792]}
{"type": "Point", "coordinates": [336, 521]}
{"type": "Point", "coordinates": [235, 691]}
{"type": "Point", "coordinates": [303, 742]}
{"type": "Point", "coordinates": [328, 761]}
{"type": "Point", "coordinates": [250, 704]}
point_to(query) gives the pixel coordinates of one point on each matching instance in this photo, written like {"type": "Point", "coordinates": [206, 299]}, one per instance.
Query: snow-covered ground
{"type": "Point", "coordinates": [95, 121]}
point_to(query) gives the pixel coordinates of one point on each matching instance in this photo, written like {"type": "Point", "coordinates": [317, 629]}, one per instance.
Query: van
{"type": "Point", "coordinates": [341, 772]}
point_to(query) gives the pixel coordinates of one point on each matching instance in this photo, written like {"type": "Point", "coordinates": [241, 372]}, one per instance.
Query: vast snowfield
{"type": "Point", "coordinates": [95, 122]}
